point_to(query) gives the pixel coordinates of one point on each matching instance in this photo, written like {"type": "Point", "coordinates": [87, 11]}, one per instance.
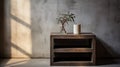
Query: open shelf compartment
{"type": "Point", "coordinates": [58, 57]}
{"type": "Point", "coordinates": [72, 43]}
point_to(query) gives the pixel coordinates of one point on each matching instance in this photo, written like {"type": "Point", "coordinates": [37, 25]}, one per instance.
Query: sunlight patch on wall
{"type": "Point", "coordinates": [20, 28]}
{"type": "Point", "coordinates": [21, 9]}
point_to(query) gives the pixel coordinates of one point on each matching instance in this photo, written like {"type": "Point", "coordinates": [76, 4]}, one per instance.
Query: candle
{"type": "Point", "coordinates": [76, 28]}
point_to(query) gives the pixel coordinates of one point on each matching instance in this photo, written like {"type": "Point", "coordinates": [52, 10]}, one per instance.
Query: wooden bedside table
{"type": "Point", "coordinates": [72, 50]}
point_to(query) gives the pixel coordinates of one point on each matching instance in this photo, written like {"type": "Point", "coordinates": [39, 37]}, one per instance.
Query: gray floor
{"type": "Point", "coordinates": [44, 63]}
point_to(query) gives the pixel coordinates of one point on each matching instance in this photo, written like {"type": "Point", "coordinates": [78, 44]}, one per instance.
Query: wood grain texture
{"type": "Point", "coordinates": [73, 50]}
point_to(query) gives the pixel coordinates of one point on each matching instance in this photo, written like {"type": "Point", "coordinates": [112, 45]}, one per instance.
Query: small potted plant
{"type": "Point", "coordinates": [65, 18]}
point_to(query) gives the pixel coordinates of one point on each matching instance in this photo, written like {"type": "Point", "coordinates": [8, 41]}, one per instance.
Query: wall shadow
{"type": "Point", "coordinates": [20, 50]}
{"type": "Point", "coordinates": [2, 28]}
{"type": "Point", "coordinates": [3, 43]}
{"type": "Point", "coordinates": [3, 49]}
{"type": "Point", "coordinates": [104, 54]}
{"type": "Point", "coordinates": [20, 21]}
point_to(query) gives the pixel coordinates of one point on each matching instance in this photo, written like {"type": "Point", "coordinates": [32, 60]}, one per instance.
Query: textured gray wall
{"type": "Point", "coordinates": [102, 17]}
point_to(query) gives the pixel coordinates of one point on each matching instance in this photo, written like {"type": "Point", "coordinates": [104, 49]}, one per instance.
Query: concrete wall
{"type": "Point", "coordinates": [30, 22]}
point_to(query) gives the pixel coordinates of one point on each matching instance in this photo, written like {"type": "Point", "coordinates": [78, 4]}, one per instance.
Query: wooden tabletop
{"type": "Point", "coordinates": [83, 34]}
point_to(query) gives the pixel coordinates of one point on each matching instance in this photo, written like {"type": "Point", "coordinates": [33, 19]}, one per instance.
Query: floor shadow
{"type": "Point", "coordinates": [16, 62]}
{"type": "Point", "coordinates": [104, 53]}
{"type": "Point", "coordinates": [29, 63]}
{"type": "Point", "coordinates": [3, 62]}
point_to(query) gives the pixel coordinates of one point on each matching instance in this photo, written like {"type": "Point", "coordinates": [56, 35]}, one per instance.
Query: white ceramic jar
{"type": "Point", "coordinates": [76, 28]}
